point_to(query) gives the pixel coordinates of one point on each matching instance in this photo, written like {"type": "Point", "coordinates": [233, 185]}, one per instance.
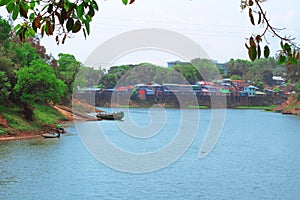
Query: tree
{"type": "Point", "coordinates": [189, 72]}
{"type": "Point", "coordinates": [7, 79]}
{"type": "Point", "coordinates": [67, 69]}
{"type": "Point", "coordinates": [109, 80]}
{"type": "Point", "coordinates": [38, 83]}
{"type": "Point", "coordinates": [5, 29]}
{"type": "Point", "coordinates": [236, 77]}
{"type": "Point", "coordinates": [4, 88]}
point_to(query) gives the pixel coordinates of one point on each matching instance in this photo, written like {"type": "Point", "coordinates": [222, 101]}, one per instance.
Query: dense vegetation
{"type": "Point", "coordinates": [259, 71]}
{"type": "Point", "coordinates": [31, 81]}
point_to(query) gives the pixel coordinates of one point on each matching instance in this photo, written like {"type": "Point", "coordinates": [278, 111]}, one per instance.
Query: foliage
{"type": "Point", "coordinates": [22, 53]}
{"type": "Point", "coordinates": [189, 72]}
{"type": "Point", "coordinates": [236, 77]}
{"type": "Point", "coordinates": [289, 52]}
{"type": "Point", "coordinates": [264, 69]}
{"type": "Point", "coordinates": [38, 83]}
{"type": "Point", "coordinates": [69, 17]}
{"type": "Point", "coordinates": [276, 89]}
{"type": "Point", "coordinates": [4, 87]}
{"type": "Point", "coordinates": [66, 71]}
{"type": "Point", "coordinates": [185, 73]}
{"type": "Point", "coordinates": [88, 77]}
{"type": "Point", "coordinates": [259, 83]}
{"type": "Point", "coordinates": [4, 30]}
{"type": "Point", "coordinates": [47, 17]}
{"type": "Point", "coordinates": [109, 80]}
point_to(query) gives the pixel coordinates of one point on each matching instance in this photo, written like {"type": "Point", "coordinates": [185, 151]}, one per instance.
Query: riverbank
{"type": "Point", "coordinates": [291, 106]}
{"type": "Point", "coordinates": [14, 126]}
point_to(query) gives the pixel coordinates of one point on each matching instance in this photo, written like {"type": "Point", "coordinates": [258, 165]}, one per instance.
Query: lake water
{"type": "Point", "coordinates": [256, 157]}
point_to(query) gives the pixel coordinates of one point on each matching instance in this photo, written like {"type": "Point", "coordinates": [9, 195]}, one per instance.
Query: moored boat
{"type": "Point", "coordinates": [110, 116]}
{"type": "Point", "coordinates": [51, 135]}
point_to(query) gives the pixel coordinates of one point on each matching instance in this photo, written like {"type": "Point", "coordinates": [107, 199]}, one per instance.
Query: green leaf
{"type": "Point", "coordinates": [287, 48]}
{"type": "Point", "coordinates": [70, 24]}
{"type": "Point", "coordinates": [266, 51]}
{"type": "Point", "coordinates": [293, 61]}
{"type": "Point", "coordinates": [17, 27]}
{"type": "Point", "coordinates": [10, 7]}
{"type": "Point", "coordinates": [91, 12]}
{"type": "Point", "coordinates": [252, 53]}
{"type": "Point", "coordinates": [31, 17]}
{"type": "Point", "coordinates": [95, 5]}
{"type": "Point", "coordinates": [32, 4]}
{"type": "Point", "coordinates": [19, 30]}
{"type": "Point", "coordinates": [87, 26]}
{"type": "Point", "coordinates": [79, 10]}
{"type": "Point", "coordinates": [88, 18]}
{"type": "Point", "coordinates": [125, 2]}
{"type": "Point", "coordinates": [29, 32]}
{"type": "Point", "coordinates": [16, 12]}
{"type": "Point", "coordinates": [4, 2]}
{"type": "Point", "coordinates": [281, 59]}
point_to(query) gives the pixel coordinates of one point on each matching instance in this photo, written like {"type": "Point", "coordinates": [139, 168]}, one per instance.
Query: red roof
{"type": "Point", "coordinates": [238, 81]}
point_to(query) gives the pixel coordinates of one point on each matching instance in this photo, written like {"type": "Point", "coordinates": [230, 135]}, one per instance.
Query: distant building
{"type": "Point", "coordinates": [222, 67]}
{"type": "Point", "coordinates": [250, 90]}
{"type": "Point", "coordinates": [278, 80]}
{"type": "Point", "coordinates": [173, 63]}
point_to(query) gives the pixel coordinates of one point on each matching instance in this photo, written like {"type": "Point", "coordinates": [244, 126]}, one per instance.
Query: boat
{"type": "Point", "coordinates": [51, 135]}
{"type": "Point", "coordinates": [110, 116]}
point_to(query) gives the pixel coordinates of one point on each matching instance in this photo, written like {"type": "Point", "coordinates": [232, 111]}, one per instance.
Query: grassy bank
{"type": "Point", "coordinates": [197, 107]}
{"type": "Point", "coordinates": [268, 108]}
{"type": "Point", "coordinates": [45, 119]}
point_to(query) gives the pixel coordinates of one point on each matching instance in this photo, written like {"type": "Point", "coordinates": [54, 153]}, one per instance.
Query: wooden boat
{"type": "Point", "coordinates": [51, 135]}
{"type": "Point", "coordinates": [110, 116]}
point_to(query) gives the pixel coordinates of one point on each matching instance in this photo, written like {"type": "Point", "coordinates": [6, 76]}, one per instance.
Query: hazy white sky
{"type": "Point", "coordinates": [219, 27]}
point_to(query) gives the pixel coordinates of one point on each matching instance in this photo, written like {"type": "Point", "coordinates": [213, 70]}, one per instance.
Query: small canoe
{"type": "Point", "coordinates": [110, 116]}
{"type": "Point", "coordinates": [51, 135]}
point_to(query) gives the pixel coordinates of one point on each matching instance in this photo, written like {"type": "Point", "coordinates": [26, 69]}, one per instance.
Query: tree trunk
{"type": "Point", "coordinates": [28, 111]}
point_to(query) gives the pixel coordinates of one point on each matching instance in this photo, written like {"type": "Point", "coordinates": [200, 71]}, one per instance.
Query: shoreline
{"type": "Point", "coordinates": [9, 138]}
{"type": "Point", "coordinates": [70, 115]}
{"type": "Point", "coordinates": [78, 116]}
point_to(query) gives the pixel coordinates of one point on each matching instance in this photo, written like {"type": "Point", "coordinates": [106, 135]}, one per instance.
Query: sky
{"type": "Point", "coordinates": [218, 27]}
